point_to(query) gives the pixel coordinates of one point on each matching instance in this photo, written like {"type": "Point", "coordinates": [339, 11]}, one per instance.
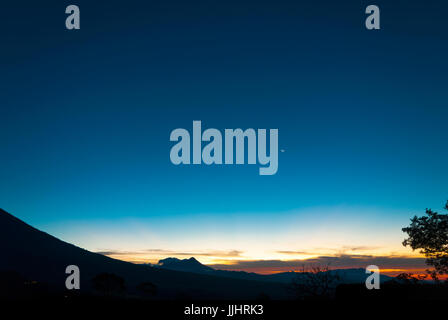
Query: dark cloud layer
{"type": "Point", "coordinates": [268, 266]}
{"type": "Point", "coordinates": [231, 253]}
{"type": "Point", "coordinates": [341, 261]}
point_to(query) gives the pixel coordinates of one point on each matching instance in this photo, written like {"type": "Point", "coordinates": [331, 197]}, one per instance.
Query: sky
{"type": "Point", "coordinates": [86, 117]}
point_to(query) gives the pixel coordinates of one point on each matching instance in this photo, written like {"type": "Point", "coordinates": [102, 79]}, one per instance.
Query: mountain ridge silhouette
{"type": "Point", "coordinates": [41, 257]}
{"type": "Point", "coordinates": [38, 256]}
{"type": "Point", "coordinates": [349, 275]}
{"type": "Point", "coordinates": [187, 265]}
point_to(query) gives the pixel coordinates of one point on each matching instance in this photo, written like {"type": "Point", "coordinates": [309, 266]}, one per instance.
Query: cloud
{"type": "Point", "coordinates": [386, 262]}
{"type": "Point", "coordinates": [335, 262]}
{"type": "Point", "coordinates": [293, 252]}
{"type": "Point", "coordinates": [360, 248]}
{"type": "Point", "coordinates": [162, 252]}
{"type": "Point", "coordinates": [319, 251]}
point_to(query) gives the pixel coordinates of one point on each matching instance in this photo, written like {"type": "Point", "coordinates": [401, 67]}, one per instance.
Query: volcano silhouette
{"type": "Point", "coordinates": [36, 256]}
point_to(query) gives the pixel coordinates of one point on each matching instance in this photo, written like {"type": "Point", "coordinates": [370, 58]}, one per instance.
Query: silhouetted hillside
{"type": "Point", "coordinates": [36, 257]}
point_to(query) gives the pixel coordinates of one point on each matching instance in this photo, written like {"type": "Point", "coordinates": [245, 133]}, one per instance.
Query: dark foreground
{"type": "Point", "coordinates": [128, 309]}
{"type": "Point", "coordinates": [393, 298]}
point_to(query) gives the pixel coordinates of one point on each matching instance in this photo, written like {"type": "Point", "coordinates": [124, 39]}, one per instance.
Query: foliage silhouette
{"type": "Point", "coordinates": [430, 234]}
{"type": "Point", "coordinates": [409, 278]}
{"type": "Point", "coordinates": [316, 283]}
{"type": "Point", "coordinates": [108, 284]}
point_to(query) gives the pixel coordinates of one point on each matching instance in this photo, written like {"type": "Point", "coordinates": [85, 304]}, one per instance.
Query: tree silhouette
{"type": "Point", "coordinates": [409, 278]}
{"type": "Point", "coordinates": [315, 283]}
{"type": "Point", "coordinates": [108, 284]}
{"type": "Point", "coordinates": [430, 234]}
{"type": "Point", "coordinates": [147, 289]}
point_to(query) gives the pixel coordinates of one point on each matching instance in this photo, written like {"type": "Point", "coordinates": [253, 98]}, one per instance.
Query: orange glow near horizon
{"type": "Point", "coordinates": [340, 237]}
{"type": "Point", "coordinates": [297, 262]}
{"type": "Point", "coordinates": [337, 236]}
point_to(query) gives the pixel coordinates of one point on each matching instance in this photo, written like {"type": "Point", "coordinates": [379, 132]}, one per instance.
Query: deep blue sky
{"type": "Point", "coordinates": [86, 115]}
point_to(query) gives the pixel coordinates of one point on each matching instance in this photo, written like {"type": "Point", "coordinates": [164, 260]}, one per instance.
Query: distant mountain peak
{"type": "Point", "coordinates": [188, 265]}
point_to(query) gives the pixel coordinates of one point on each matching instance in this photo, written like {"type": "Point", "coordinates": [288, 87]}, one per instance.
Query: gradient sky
{"type": "Point", "coordinates": [86, 117]}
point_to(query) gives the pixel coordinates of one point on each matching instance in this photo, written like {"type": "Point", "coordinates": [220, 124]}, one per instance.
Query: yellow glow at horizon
{"type": "Point", "coordinates": [294, 235]}
{"type": "Point", "coordinates": [153, 258]}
